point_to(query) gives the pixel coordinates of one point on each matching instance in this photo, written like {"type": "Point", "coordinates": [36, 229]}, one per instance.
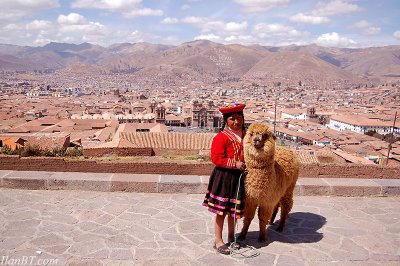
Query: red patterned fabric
{"type": "Point", "coordinates": [226, 149]}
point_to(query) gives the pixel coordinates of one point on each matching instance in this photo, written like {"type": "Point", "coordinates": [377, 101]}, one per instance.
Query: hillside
{"type": "Point", "coordinates": [211, 62]}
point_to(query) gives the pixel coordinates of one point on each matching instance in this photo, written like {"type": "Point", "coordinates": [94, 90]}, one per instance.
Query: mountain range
{"type": "Point", "coordinates": [212, 62]}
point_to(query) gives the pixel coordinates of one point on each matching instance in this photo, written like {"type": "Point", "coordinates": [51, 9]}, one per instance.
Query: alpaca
{"type": "Point", "coordinates": [271, 178]}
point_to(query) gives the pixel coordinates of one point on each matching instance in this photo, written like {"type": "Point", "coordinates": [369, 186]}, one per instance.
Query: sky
{"type": "Point", "coordinates": [335, 23]}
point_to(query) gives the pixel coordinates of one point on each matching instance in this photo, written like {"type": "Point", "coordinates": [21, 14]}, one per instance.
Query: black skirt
{"type": "Point", "coordinates": [222, 192]}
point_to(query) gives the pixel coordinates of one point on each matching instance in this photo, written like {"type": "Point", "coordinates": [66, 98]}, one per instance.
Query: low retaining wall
{"type": "Point", "coordinates": [14, 162]}
{"type": "Point", "coordinates": [98, 152]}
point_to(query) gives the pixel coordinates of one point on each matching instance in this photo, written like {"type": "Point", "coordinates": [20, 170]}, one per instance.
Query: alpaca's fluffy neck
{"type": "Point", "coordinates": [260, 160]}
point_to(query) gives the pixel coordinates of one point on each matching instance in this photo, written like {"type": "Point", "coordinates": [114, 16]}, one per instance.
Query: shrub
{"type": "Point", "coordinates": [9, 151]}
{"type": "Point", "coordinates": [74, 152]}
{"type": "Point", "coordinates": [57, 152]}
{"type": "Point", "coordinates": [32, 150]}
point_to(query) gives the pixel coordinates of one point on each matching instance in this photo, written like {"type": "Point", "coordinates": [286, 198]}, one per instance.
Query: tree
{"type": "Point", "coordinates": [370, 132]}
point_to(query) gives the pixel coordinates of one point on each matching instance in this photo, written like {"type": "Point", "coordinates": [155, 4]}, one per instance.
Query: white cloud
{"type": "Point", "coordinates": [366, 27]}
{"type": "Point", "coordinates": [194, 20]}
{"type": "Point", "coordinates": [170, 20]}
{"type": "Point", "coordinates": [335, 7]}
{"type": "Point", "coordinates": [106, 4]}
{"type": "Point", "coordinates": [128, 8]}
{"type": "Point", "coordinates": [216, 26]}
{"type": "Point", "coordinates": [252, 6]}
{"type": "Point", "coordinates": [76, 27]}
{"type": "Point", "coordinates": [396, 34]}
{"type": "Point", "coordinates": [235, 27]}
{"type": "Point", "coordinates": [333, 39]}
{"type": "Point", "coordinates": [15, 33]}
{"type": "Point", "coordinates": [143, 12]}
{"type": "Point", "coordinates": [242, 39]}
{"type": "Point", "coordinates": [277, 34]}
{"type": "Point", "coordinates": [90, 28]}
{"type": "Point", "coordinates": [72, 19]}
{"type": "Point", "coordinates": [210, 37]}
{"type": "Point", "coordinates": [185, 7]}
{"type": "Point", "coordinates": [263, 30]}
{"type": "Point", "coordinates": [41, 40]}
{"type": "Point", "coordinates": [13, 10]}
{"type": "Point", "coordinates": [371, 30]}
{"type": "Point", "coordinates": [361, 24]}
{"type": "Point", "coordinates": [302, 18]}
{"type": "Point", "coordinates": [39, 25]}
{"type": "Point", "coordinates": [133, 36]}
{"type": "Point", "coordinates": [12, 26]}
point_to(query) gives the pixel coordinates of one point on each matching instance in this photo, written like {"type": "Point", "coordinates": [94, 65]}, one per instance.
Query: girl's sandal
{"type": "Point", "coordinates": [224, 249]}
{"type": "Point", "coordinates": [235, 245]}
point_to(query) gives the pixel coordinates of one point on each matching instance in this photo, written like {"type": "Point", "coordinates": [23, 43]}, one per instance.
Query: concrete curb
{"type": "Point", "coordinates": [151, 183]}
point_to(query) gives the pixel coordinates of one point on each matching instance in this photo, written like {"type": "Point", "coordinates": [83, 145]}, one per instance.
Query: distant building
{"type": "Point", "coordinates": [297, 114]}
{"type": "Point", "coordinates": [205, 115]}
{"type": "Point", "coordinates": [12, 142]}
{"type": "Point", "coordinates": [360, 124]}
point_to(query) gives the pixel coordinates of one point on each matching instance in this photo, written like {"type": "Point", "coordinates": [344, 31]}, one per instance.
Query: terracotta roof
{"type": "Point", "coordinates": [104, 134]}
{"type": "Point", "coordinates": [294, 111]}
{"type": "Point", "coordinates": [173, 140]}
{"type": "Point", "coordinates": [44, 140]}
{"type": "Point", "coordinates": [359, 120]}
{"type": "Point", "coordinates": [306, 157]}
{"type": "Point", "coordinates": [13, 142]}
{"type": "Point", "coordinates": [352, 158]}
{"type": "Point", "coordinates": [152, 127]}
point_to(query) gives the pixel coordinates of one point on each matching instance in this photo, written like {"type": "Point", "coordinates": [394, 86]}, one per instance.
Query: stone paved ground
{"type": "Point", "coordinates": [104, 228]}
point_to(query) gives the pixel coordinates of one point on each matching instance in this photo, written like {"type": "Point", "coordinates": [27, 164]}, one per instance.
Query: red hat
{"type": "Point", "coordinates": [233, 108]}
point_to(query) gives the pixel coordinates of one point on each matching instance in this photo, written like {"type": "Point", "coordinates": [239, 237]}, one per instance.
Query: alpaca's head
{"type": "Point", "coordinates": [259, 141]}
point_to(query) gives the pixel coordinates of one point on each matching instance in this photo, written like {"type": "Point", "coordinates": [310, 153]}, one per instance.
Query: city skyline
{"type": "Point", "coordinates": [338, 23]}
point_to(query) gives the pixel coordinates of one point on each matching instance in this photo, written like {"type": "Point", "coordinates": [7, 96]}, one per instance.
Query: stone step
{"type": "Point", "coordinates": [152, 183]}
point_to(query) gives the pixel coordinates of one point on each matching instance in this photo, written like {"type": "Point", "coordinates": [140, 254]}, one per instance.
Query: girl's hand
{"type": "Point", "coordinates": [240, 165]}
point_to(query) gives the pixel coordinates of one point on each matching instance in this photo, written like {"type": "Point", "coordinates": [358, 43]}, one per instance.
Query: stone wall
{"type": "Point", "coordinates": [98, 152]}
{"type": "Point", "coordinates": [86, 165]}
{"type": "Point", "coordinates": [178, 168]}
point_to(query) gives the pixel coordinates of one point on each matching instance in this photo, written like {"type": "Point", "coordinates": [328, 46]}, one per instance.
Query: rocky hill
{"type": "Point", "coordinates": [211, 62]}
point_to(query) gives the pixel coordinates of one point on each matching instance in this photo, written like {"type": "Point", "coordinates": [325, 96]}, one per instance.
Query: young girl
{"type": "Point", "coordinates": [227, 155]}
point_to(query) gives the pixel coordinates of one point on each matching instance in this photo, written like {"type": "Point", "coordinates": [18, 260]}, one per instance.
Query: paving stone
{"type": "Point", "coordinates": [119, 228]}
{"type": "Point", "coordinates": [48, 240]}
{"type": "Point", "coordinates": [56, 250]}
{"type": "Point", "coordinates": [121, 254]}
{"type": "Point", "coordinates": [84, 249]}
{"type": "Point", "coordinates": [10, 243]}
{"type": "Point", "coordinates": [50, 226]}
{"type": "Point", "coordinates": [122, 241]}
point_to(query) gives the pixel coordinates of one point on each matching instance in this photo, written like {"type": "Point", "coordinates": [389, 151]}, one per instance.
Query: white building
{"type": "Point", "coordinates": [361, 124]}
{"type": "Point", "coordinates": [298, 114]}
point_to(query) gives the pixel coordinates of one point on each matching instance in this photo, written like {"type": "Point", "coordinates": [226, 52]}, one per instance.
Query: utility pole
{"type": "Point", "coordinates": [390, 141]}
{"type": "Point", "coordinates": [276, 84]}
{"type": "Point", "coordinates": [275, 114]}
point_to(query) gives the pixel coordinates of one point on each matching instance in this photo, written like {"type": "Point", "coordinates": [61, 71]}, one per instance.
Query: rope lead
{"type": "Point", "coordinates": [243, 252]}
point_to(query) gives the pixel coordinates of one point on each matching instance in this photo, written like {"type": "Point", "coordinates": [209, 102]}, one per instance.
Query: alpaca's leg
{"type": "Point", "coordinates": [286, 207]}
{"type": "Point", "coordinates": [249, 212]}
{"type": "Point", "coordinates": [274, 214]}
{"type": "Point", "coordinates": [264, 215]}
